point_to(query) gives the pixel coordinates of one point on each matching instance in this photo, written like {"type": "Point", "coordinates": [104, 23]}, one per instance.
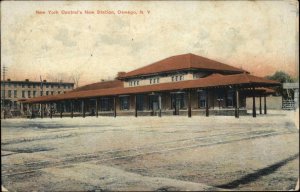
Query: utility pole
{"type": "Point", "coordinates": [41, 93]}
{"type": "Point", "coordinates": [3, 101]}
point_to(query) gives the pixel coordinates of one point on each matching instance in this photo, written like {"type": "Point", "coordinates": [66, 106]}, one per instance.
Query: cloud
{"type": "Point", "coordinates": [64, 37]}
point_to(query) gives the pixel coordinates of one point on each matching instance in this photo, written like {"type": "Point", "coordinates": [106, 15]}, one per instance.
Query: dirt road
{"type": "Point", "coordinates": [150, 153]}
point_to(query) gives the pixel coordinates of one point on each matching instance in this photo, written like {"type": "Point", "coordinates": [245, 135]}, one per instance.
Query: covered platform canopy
{"type": "Point", "coordinates": [243, 83]}
{"type": "Point", "coordinates": [238, 81]}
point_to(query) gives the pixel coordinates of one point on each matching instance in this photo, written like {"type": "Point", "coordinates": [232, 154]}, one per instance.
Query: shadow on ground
{"type": "Point", "coordinates": [256, 175]}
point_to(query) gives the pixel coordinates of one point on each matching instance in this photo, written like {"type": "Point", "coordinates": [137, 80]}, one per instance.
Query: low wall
{"type": "Point", "coordinates": [195, 112]}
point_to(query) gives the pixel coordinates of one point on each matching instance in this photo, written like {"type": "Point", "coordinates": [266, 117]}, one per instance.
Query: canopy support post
{"type": "Point", "coordinates": [72, 108]}
{"type": "Point", "coordinates": [135, 106]}
{"type": "Point", "coordinates": [61, 109]}
{"type": "Point", "coordinates": [265, 105]}
{"type": "Point", "coordinates": [189, 104]}
{"type": "Point", "coordinates": [83, 108]}
{"type": "Point", "coordinates": [237, 104]}
{"type": "Point", "coordinates": [97, 106]}
{"type": "Point", "coordinates": [115, 106]}
{"type": "Point", "coordinates": [253, 106]}
{"type": "Point", "coordinates": [206, 104]}
{"type": "Point", "coordinates": [260, 108]}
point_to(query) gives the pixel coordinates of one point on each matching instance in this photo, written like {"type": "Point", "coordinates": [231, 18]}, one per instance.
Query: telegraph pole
{"type": "Point", "coordinates": [41, 93]}
{"type": "Point", "coordinates": [3, 101]}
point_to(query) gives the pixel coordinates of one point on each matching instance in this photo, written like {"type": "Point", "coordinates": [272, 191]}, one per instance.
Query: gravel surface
{"type": "Point", "coordinates": [151, 153]}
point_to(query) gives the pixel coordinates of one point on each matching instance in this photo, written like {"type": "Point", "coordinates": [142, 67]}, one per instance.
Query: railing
{"type": "Point", "coordinates": [288, 104]}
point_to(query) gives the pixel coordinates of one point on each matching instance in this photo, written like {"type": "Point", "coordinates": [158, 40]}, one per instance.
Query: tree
{"type": "Point", "coordinates": [75, 76]}
{"type": "Point", "coordinates": [282, 77]}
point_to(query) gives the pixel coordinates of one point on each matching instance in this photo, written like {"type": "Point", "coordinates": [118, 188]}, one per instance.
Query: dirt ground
{"type": "Point", "coordinates": [151, 153]}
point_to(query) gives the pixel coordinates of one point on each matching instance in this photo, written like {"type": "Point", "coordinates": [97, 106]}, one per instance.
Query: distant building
{"type": "Point", "coordinates": [13, 91]}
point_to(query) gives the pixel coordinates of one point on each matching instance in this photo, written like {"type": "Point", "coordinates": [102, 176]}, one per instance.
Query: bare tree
{"type": "Point", "coordinates": [58, 77]}
{"type": "Point", "coordinates": [75, 77]}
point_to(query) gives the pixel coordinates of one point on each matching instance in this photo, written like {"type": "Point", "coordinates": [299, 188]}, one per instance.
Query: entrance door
{"type": "Point", "coordinates": [177, 106]}
{"type": "Point", "coordinates": [155, 106]}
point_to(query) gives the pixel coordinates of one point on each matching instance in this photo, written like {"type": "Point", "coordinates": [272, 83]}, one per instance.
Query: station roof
{"type": "Point", "coordinates": [243, 80]}
{"type": "Point", "coordinates": [183, 62]}
{"type": "Point", "coordinates": [100, 85]}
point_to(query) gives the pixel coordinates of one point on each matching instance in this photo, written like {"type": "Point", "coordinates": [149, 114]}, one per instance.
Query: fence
{"type": "Point", "coordinates": [288, 104]}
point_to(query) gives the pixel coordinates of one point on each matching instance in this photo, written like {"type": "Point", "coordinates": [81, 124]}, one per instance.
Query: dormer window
{"type": "Point", "coordinates": [134, 83]}
{"type": "Point", "coordinates": [154, 80]}
{"type": "Point", "coordinates": [178, 78]}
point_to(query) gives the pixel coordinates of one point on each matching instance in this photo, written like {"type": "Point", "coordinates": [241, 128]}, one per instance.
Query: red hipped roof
{"type": "Point", "coordinates": [182, 62]}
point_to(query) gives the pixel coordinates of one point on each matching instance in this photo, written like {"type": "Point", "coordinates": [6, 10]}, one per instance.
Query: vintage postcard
{"type": "Point", "coordinates": [149, 95]}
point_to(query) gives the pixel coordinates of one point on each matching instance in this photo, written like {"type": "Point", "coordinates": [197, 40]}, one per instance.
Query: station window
{"type": "Point", "coordinates": [178, 101]}
{"type": "Point", "coordinates": [29, 94]}
{"type": "Point", "coordinates": [15, 93]}
{"type": "Point", "coordinates": [202, 99]}
{"type": "Point", "coordinates": [34, 93]}
{"type": "Point", "coordinates": [124, 103]}
{"type": "Point", "coordinates": [9, 93]}
{"type": "Point", "coordinates": [23, 94]}
{"type": "Point", "coordinates": [140, 102]}
{"type": "Point", "coordinates": [230, 95]}
{"type": "Point", "coordinates": [106, 104]}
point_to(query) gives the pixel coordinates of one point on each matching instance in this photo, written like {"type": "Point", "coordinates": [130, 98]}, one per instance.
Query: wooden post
{"type": "Point", "coordinates": [97, 106]}
{"type": "Point", "coordinates": [225, 98]}
{"type": "Point", "coordinates": [135, 105]}
{"type": "Point", "coordinates": [213, 98]}
{"type": "Point", "coordinates": [237, 104]}
{"type": "Point", "coordinates": [265, 105]}
{"type": "Point", "coordinates": [50, 104]}
{"type": "Point", "coordinates": [83, 108]}
{"type": "Point", "coordinates": [31, 107]}
{"type": "Point", "coordinates": [260, 110]}
{"type": "Point", "coordinates": [72, 108]}
{"type": "Point", "coordinates": [253, 106]}
{"type": "Point", "coordinates": [175, 106]}
{"type": "Point", "coordinates": [189, 104]}
{"type": "Point", "coordinates": [206, 104]}
{"type": "Point", "coordinates": [40, 105]}
{"type": "Point", "coordinates": [61, 108]}
{"type": "Point", "coordinates": [115, 106]}
{"type": "Point", "coordinates": [159, 104]}
{"type": "Point", "coordinates": [42, 110]}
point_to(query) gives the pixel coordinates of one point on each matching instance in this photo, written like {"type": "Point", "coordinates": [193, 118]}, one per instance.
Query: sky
{"type": "Point", "coordinates": [258, 36]}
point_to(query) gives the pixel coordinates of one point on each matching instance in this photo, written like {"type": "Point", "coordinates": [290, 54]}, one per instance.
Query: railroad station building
{"type": "Point", "coordinates": [185, 84]}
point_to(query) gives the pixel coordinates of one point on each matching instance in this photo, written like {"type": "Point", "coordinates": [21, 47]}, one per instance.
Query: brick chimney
{"type": "Point", "coordinates": [121, 73]}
